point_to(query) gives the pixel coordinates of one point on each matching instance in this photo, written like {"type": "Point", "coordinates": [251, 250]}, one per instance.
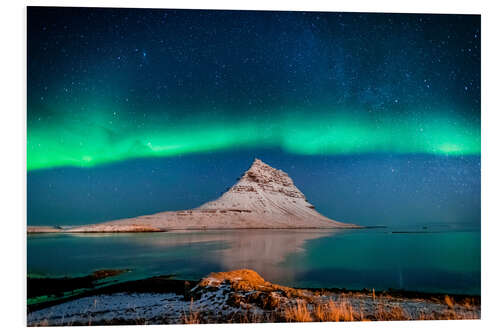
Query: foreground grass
{"type": "Point", "coordinates": [336, 311]}
{"type": "Point", "coordinates": [340, 310]}
{"type": "Point", "coordinates": [243, 296]}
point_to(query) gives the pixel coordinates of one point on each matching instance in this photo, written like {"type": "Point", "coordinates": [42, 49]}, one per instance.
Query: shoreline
{"type": "Point", "coordinates": [47, 229]}
{"type": "Point", "coordinates": [166, 283]}
{"type": "Point", "coordinates": [233, 294]}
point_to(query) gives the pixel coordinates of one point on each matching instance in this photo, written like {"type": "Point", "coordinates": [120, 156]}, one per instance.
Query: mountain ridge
{"type": "Point", "coordinates": [263, 198]}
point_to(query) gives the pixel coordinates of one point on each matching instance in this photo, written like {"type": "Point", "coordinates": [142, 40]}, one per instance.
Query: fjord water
{"type": "Point", "coordinates": [439, 259]}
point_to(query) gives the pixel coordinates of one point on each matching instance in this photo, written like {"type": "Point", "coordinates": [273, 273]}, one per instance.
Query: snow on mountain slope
{"type": "Point", "coordinates": [267, 192]}
{"type": "Point", "coordinates": [264, 197]}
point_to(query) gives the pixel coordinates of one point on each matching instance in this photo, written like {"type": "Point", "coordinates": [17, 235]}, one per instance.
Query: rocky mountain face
{"type": "Point", "coordinates": [263, 198]}
{"type": "Point", "coordinates": [254, 188]}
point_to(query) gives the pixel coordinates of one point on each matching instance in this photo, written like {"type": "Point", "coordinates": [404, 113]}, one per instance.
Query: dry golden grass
{"type": "Point", "coordinates": [340, 311]}
{"type": "Point", "coordinates": [449, 301]}
{"type": "Point", "coordinates": [391, 313]}
{"type": "Point", "coordinates": [298, 313]}
{"type": "Point", "coordinates": [468, 303]}
{"type": "Point", "coordinates": [192, 317]}
{"type": "Point", "coordinates": [330, 311]}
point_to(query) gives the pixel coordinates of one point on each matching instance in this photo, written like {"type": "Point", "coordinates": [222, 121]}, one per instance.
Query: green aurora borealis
{"type": "Point", "coordinates": [102, 139]}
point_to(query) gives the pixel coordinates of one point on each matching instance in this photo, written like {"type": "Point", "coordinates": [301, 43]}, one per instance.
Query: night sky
{"type": "Point", "coordinates": [376, 117]}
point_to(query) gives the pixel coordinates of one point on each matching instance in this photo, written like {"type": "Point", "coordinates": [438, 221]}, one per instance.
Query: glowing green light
{"type": "Point", "coordinates": [65, 141]}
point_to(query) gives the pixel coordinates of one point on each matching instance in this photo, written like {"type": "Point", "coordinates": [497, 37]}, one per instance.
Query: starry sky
{"type": "Point", "coordinates": [376, 117]}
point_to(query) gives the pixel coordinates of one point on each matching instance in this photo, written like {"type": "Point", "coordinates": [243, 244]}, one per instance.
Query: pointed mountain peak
{"type": "Point", "coordinates": [258, 161]}
{"type": "Point", "coordinates": [263, 173]}
{"type": "Point", "coordinates": [259, 189]}
{"type": "Point", "coordinates": [259, 165]}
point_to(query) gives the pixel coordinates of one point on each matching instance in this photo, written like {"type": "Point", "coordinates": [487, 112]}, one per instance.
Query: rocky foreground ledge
{"type": "Point", "coordinates": [243, 296]}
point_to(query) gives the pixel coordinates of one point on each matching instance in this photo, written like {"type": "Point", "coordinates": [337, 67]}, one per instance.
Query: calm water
{"type": "Point", "coordinates": [442, 260]}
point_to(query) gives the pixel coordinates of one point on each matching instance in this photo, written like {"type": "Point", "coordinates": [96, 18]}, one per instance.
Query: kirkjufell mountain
{"type": "Point", "coordinates": [263, 197]}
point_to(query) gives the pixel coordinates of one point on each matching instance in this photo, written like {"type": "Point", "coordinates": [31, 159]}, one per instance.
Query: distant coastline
{"type": "Point", "coordinates": [145, 229]}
